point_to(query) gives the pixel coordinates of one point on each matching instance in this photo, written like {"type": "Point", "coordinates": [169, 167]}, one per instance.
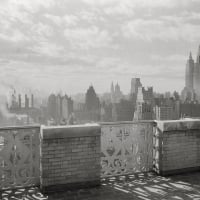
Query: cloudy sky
{"type": "Point", "coordinates": [66, 45]}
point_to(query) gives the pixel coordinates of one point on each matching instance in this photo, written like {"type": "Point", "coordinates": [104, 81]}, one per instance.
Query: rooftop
{"type": "Point", "coordinates": [109, 160]}
{"type": "Point", "coordinates": [146, 186]}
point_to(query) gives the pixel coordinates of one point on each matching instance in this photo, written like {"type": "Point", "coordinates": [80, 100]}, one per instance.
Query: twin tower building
{"type": "Point", "coordinates": [191, 92]}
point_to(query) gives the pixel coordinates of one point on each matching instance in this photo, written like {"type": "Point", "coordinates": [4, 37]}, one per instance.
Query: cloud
{"type": "Point", "coordinates": [142, 3]}
{"type": "Point", "coordinates": [70, 20]}
{"type": "Point", "coordinates": [170, 58]}
{"type": "Point", "coordinates": [128, 7]}
{"type": "Point", "coordinates": [86, 38]}
{"type": "Point", "coordinates": [22, 10]}
{"type": "Point", "coordinates": [90, 17]}
{"type": "Point", "coordinates": [48, 49]}
{"type": "Point", "coordinates": [100, 2]}
{"type": "Point", "coordinates": [62, 42]}
{"type": "Point", "coordinates": [136, 3]}
{"type": "Point", "coordinates": [30, 5]}
{"type": "Point", "coordinates": [41, 30]}
{"type": "Point", "coordinates": [66, 20]}
{"type": "Point", "coordinates": [153, 29]}
{"type": "Point", "coordinates": [122, 8]}
{"type": "Point", "coordinates": [54, 18]}
{"type": "Point", "coordinates": [14, 36]}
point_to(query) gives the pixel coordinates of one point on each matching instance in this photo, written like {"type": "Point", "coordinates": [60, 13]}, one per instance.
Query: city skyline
{"type": "Point", "coordinates": [142, 103]}
{"type": "Point", "coordinates": [50, 46]}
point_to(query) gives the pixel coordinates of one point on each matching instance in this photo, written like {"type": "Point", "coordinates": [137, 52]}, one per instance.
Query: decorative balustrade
{"type": "Point", "coordinates": [19, 156]}
{"type": "Point", "coordinates": [126, 148]}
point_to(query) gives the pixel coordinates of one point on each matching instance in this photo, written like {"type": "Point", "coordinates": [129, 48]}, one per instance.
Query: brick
{"type": "Point", "coordinates": [70, 159]}
{"type": "Point", "coordinates": [180, 148]}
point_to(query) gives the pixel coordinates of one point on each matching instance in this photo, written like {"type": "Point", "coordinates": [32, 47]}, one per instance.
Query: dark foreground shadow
{"type": "Point", "coordinates": [146, 186]}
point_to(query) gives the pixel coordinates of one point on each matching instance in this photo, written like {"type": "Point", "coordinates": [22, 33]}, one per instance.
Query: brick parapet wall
{"type": "Point", "coordinates": [70, 157]}
{"type": "Point", "coordinates": [177, 146]}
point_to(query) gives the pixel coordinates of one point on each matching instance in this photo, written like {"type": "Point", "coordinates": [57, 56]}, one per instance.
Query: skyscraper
{"type": "Point", "coordinates": [135, 84]}
{"type": "Point", "coordinates": [91, 99]}
{"type": "Point", "coordinates": [191, 90]}
{"type": "Point", "coordinates": [144, 104]}
{"type": "Point", "coordinates": [189, 73]}
{"type": "Point", "coordinates": [112, 92]}
{"type": "Point", "coordinates": [92, 104]}
{"type": "Point", "coordinates": [197, 75]}
{"type": "Point", "coordinates": [59, 108]}
{"type": "Point", "coordinates": [51, 107]}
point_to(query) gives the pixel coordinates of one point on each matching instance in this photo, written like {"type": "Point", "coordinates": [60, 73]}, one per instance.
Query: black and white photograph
{"type": "Point", "coordinates": [99, 99]}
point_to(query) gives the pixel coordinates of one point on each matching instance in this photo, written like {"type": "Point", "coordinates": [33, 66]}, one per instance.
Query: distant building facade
{"type": "Point", "coordinates": [190, 109]}
{"type": "Point", "coordinates": [59, 108]}
{"type": "Point", "coordinates": [135, 84]}
{"type": "Point", "coordinates": [144, 104]}
{"type": "Point", "coordinates": [91, 100]}
{"type": "Point", "coordinates": [163, 112]}
{"type": "Point", "coordinates": [166, 109]}
{"type": "Point", "coordinates": [89, 111]}
{"type": "Point", "coordinates": [123, 111]}
{"type": "Point", "coordinates": [24, 108]}
{"type": "Point", "coordinates": [116, 94]}
{"type": "Point", "coordinates": [92, 105]}
{"type": "Point", "coordinates": [191, 91]}
{"type": "Point", "coordinates": [17, 103]}
{"type": "Point", "coordinates": [106, 112]}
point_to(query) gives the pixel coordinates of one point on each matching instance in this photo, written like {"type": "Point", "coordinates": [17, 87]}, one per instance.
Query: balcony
{"type": "Point", "coordinates": [124, 160]}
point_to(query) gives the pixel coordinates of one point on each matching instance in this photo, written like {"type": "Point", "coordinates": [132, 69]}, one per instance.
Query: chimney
{"type": "Point", "coordinates": [32, 100]}
{"type": "Point", "coordinates": [19, 101]}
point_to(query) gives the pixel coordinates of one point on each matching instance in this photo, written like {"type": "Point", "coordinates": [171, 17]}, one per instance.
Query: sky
{"type": "Point", "coordinates": [64, 45]}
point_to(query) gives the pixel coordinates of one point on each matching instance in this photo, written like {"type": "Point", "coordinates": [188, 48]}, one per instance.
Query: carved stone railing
{"type": "Point", "coordinates": [126, 147]}
{"type": "Point", "coordinates": [19, 156]}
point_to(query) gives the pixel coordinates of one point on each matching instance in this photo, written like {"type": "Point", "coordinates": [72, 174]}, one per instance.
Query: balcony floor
{"type": "Point", "coordinates": [145, 186]}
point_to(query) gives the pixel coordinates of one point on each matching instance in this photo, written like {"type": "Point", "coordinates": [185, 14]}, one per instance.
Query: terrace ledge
{"type": "Point", "coordinates": [178, 125]}
{"type": "Point", "coordinates": [85, 130]}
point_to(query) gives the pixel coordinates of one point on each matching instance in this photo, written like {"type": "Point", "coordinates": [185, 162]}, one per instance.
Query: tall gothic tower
{"type": "Point", "coordinates": [189, 73]}
{"type": "Point", "coordinates": [115, 93]}
{"type": "Point", "coordinates": [112, 92]}
{"type": "Point", "coordinates": [197, 75]}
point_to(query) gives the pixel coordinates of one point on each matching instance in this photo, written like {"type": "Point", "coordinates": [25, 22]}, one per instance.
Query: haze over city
{"type": "Point", "coordinates": [99, 99]}
{"type": "Point", "coordinates": [65, 46]}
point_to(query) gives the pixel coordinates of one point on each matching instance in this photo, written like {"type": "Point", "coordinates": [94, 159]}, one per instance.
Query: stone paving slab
{"type": "Point", "coordinates": [141, 186]}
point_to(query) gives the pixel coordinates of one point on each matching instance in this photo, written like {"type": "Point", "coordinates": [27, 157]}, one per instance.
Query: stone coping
{"type": "Point", "coordinates": [178, 125]}
{"type": "Point", "coordinates": [127, 122]}
{"type": "Point", "coordinates": [20, 127]}
{"type": "Point", "coordinates": [55, 132]}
